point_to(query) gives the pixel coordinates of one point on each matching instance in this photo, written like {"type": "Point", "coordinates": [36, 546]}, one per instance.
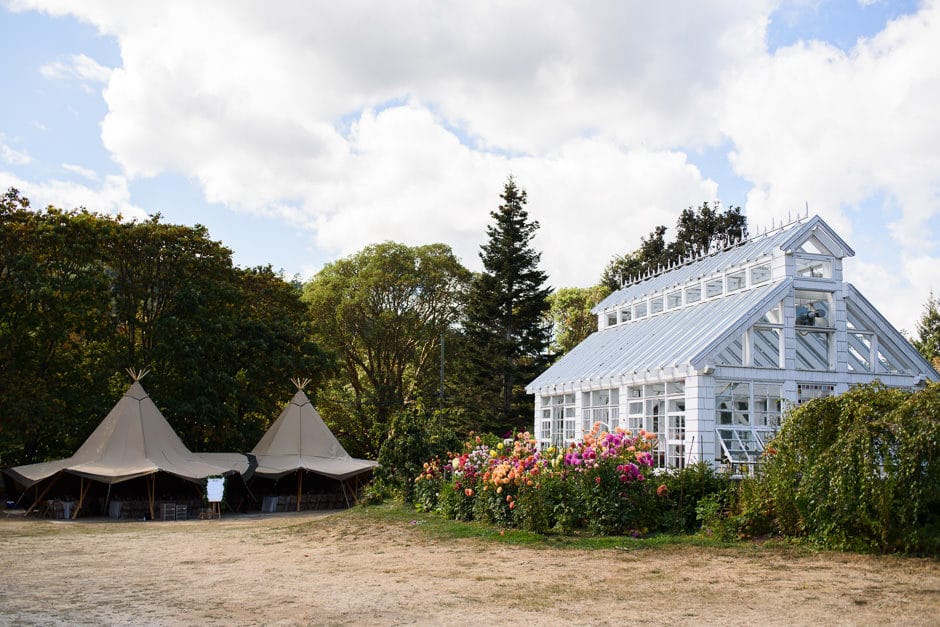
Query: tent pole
{"type": "Point", "coordinates": [152, 489]}
{"type": "Point", "coordinates": [82, 490]}
{"type": "Point", "coordinates": [342, 484]}
{"type": "Point", "coordinates": [300, 485]}
{"type": "Point", "coordinates": [40, 496]}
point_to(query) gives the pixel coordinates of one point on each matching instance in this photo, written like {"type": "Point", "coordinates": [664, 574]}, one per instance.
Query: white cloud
{"type": "Point", "coordinates": [405, 178]}
{"type": "Point", "coordinates": [112, 196]}
{"type": "Point", "coordinates": [87, 173]}
{"type": "Point", "coordinates": [11, 156]}
{"type": "Point", "coordinates": [841, 130]}
{"type": "Point", "coordinates": [340, 117]}
{"type": "Point", "coordinates": [77, 67]}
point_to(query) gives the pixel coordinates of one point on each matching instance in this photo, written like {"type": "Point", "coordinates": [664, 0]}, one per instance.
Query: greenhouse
{"type": "Point", "coordinates": [707, 355]}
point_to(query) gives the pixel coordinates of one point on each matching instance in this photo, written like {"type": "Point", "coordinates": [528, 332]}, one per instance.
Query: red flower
{"type": "Point", "coordinates": [662, 490]}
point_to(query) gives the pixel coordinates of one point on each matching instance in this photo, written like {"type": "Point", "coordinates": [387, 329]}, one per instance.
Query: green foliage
{"type": "Point", "coordinates": [571, 317]}
{"type": "Point", "coordinates": [382, 313]}
{"type": "Point", "coordinates": [505, 324]}
{"type": "Point", "coordinates": [84, 296]}
{"type": "Point", "coordinates": [414, 436]}
{"type": "Point", "coordinates": [680, 491]}
{"type": "Point", "coordinates": [858, 471]}
{"type": "Point", "coordinates": [697, 232]}
{"type": "Point", "coordinates": [928, 331]}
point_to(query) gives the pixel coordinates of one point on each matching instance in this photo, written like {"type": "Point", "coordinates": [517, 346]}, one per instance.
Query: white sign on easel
{"type": "Point", "coordinates": [215, 487]}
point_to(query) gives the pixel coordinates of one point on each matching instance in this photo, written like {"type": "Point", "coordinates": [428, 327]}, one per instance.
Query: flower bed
{"type": "Point", "coordinates": [599, 484]}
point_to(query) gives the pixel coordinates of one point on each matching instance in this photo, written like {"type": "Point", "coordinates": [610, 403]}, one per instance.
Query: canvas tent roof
{"type": "Point", "coordinates": [132, 441]}
{"type": "Point", "coordinates": [299, 439]}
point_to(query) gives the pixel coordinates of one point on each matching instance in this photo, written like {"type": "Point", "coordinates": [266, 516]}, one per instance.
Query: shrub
{"type": "Point", "coordinates": [681, 490]}
{"type": "Point", "coordinates": [859, 470]}
{"type": "Point", "coordinates": [415, 436]}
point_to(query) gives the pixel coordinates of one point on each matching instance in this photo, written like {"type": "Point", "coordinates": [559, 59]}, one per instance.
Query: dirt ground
{"type": "Point", "coordinates": [317, 568]}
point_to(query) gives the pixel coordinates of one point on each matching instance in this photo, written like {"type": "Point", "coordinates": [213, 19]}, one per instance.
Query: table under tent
{"type": "Point", "coordinates": [301, 465]}
{"type": "Point", "coordinates": [133, 465]}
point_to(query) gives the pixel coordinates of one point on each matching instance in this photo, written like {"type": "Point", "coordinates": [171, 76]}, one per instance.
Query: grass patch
{"type": "Point", "coordinates": [435, 526]}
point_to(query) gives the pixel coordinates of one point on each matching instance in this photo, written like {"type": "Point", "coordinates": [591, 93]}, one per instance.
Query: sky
{"type": "Point", "coordinates": [299, 132]}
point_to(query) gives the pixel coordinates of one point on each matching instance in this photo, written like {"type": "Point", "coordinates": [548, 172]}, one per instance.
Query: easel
{"type": "Point", "coordinates": [214, 494]}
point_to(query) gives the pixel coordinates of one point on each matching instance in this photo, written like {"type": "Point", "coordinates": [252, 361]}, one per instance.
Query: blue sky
{"type": "Point", "coordinates": [301, 133]}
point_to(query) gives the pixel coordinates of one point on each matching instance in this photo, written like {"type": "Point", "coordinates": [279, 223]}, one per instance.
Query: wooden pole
{"type": "Point", "coordinates": [151, 492]}
{"type": "Point", "coordinates": [82, 491]}
{"type": "Point", "coordinates": [40, 496]}
{"type": "Point", "coordinates": [342, 484]}
{"type": "Point", "coordinates": [300, 485]}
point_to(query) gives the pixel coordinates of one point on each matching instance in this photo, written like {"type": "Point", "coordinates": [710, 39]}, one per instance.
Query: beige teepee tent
{"type": "Point", "coordinates": [299, 441]}
{"type": "Point", "coordinates": [134, 440]}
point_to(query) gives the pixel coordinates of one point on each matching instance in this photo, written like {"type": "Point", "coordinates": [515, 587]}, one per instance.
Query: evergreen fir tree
{"type": "Point", "coordinates": [506, 323]}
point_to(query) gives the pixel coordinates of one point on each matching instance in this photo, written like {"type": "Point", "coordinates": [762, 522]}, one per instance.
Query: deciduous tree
{"type": "Point", "coordinates": [697, 232]}
{"type": "Point", "coordinates": [381, 313]}
{"type": "Point", "coordinates": [571, 317]}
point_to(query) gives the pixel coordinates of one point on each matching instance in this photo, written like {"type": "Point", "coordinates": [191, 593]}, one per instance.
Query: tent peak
{"type": "Point", "coordinates": [137, 375]}
{"type": "Point", "coordinates": [300, 384]}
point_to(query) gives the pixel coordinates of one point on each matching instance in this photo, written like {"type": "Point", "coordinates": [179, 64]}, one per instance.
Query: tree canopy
{"type": "Point", "coordinates": [382, 313]}
{"type": "Point", "coordinates": [571, 317]}
{"type": "Point", "coordinates": [84, 296]}
{"type": "Point", "coordinates": [698, 231]}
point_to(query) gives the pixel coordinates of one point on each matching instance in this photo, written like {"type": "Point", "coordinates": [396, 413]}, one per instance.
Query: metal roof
{"type": "Point", "coordinates": [671, 339]}
{"type": "Point", "coordinates": [740, 254]}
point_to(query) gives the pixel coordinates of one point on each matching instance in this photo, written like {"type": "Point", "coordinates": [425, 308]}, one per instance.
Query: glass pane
{"type": "Point", "coordinates": [759, 274]}
{"type": "Point", "coordinates": [656, 389]}
{"type": "Point", "coordinates": [813, 309]}
{"type": "Point", "coordinates": [859, 352]}
{"type": "Point", "coordinates": [812, 350]}
{"type": "Point", "coordinates": [634, 392]}
{"type": "Point", "coordinates": [693, 294]}
{"type": "Point", "coordinates": [765, 348]}
{"type": "Point", "coordinates": [626, 315]}
{"type": "Point", "coordinates": [676, 405]}
{"type": "Point", "coordinates": [773, 316]}
{"type": "Point", "coordinates": [808, 268]}
{"type": "Point", "coordinates": [676, 387]}
{"type": "Point", "coordinates": [723, 405]}
{"type": "Point", "coordinates": [673, 300]}
{"type": "Point", "coordinates": [611, 318]}
{"type": "Point", "coordinates": [656, 305]}
{"type": "Point", "coordinates": [888, 362]}
{"type": "Point", "coordinates": [731, 355]}
{"type": "Point", "coordinates": [713, 288]}
{"type": "Point", "coordinates": [811, 246]}
{"type": "Point", "coordinates": [736, 281]}
{"type": "Point", "coordinates": [640, 310]}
